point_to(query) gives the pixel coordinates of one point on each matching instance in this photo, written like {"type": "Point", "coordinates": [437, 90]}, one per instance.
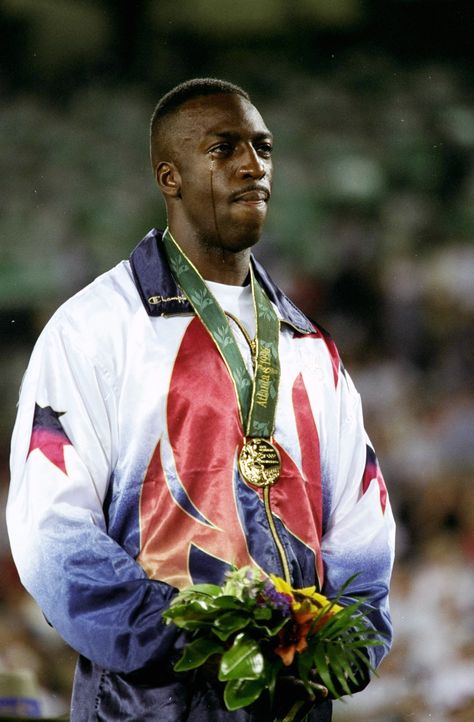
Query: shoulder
{"type": "Point", "coordinates": [110, 295]}
{"type": "Point", "coordinates": [110, 298]}
{"type": "Point", "coordinates": [95, 321]}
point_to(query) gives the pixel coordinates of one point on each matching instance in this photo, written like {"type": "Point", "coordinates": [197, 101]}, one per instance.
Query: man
{"type": "Point", "coordinates": [158, 442]}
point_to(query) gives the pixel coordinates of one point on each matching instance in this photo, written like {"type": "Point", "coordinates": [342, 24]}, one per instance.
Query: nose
{"type": "Point", "coordinates": [251, 164]}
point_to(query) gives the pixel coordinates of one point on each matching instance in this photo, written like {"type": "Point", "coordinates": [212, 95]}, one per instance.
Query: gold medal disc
{"type": "Point", "coordinates": [259, 462]}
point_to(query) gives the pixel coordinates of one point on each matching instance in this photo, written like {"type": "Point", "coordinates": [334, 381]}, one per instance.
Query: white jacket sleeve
{"type": "Point", "coordinates": [359, 532]}
{"type": "Point", "coordinates": [63, 454]}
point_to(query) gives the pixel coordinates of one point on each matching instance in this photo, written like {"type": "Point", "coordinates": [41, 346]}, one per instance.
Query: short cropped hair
{"type": "Point", "coordinates": [175, 98]}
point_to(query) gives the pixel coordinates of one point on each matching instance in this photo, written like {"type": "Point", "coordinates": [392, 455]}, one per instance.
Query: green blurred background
{"type": "Point", "coordinates": [370, 231]}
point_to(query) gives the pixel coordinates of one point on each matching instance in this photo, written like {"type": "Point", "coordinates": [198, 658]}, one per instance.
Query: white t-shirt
{"type": "Point", "coordinates": [238, 301]}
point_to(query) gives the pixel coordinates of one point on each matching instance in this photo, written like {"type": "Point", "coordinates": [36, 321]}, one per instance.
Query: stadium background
{"type": "Point", "coordinates": [370, 230]}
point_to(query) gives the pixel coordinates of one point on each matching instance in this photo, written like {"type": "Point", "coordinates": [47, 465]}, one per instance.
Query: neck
{"type": "Point", "coordinates": [224, 266]}
{"type": "Point", "coordinates": [213, 262]}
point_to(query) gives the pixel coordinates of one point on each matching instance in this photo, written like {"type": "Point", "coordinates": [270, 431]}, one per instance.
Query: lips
{"type": "Point", "coordinates": [251, 195]}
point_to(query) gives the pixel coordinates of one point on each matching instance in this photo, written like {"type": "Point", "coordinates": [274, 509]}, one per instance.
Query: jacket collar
{"type": "Point", "coordinates": [161, 295]}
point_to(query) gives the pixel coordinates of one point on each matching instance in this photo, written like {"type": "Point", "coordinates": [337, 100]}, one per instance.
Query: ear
{"type": "Point", "coordinates": [168, 179]}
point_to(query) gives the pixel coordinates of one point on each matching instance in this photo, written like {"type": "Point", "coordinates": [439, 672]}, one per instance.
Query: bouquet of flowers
{"type": "Point", "coordinates": [257, 627]}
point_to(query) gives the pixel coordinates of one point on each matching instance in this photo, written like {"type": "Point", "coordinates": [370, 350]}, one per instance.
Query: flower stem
{"type": "Point", "coordinates": [293, 712]}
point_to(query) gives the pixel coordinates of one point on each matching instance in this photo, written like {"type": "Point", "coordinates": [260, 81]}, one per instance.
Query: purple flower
{"type": "Point", "coordinates": [278, 600]}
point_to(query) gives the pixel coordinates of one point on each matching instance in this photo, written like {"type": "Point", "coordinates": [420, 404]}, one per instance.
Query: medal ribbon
{"type": "Point", "coordinates": [257, 397]}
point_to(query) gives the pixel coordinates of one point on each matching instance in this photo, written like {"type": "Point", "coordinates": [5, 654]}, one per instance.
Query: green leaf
{"type": "Point", "coordinates": [364, 661]}
{"type": "Point", "coordinates": [305, 665]}
{"type": "Point", "coordinates": [243, 660]}
{"type": "Point", "coordinates": [201, 606]}
{"type": "Point", "coordinates": [190, 620]}
{"type": "Point", "coordinates": [227, 624]}
{"type": "Point", "coordinates": [196, 653]}
{"type": "Point", "coordinates": [323, 671]}
{"type": "Point", "coordinates": [351, 669]}
{"type": "Point", "coordinates": [262, 613]}
{"type": "Point", "coordinates": [242, 692]}
{"type": "Point", "coordinates": [340, 669]}
{"type": "Point", "coordinates": [202, 610]}
{"type": "Point", "coordinates": [213, 590]}
{"type": "Point", "coordinates": [272, 669]}
{"type": "Point", "coordinates": [226, 601]}
{"type": "Point", "coordinates": [271, 631]}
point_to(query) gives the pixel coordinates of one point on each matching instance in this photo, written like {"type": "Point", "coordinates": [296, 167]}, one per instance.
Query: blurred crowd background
{"type": "Point", "coordinates": [370, 231]}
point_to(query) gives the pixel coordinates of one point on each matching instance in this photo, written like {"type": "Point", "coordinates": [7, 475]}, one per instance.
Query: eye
{"type": "Point", "coordinates": [221, 149]}
{"type": "Point", "coordinates": [265, 149]}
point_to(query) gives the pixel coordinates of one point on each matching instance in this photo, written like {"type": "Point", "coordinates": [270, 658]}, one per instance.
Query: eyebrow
{"type": "Point", "coordinates": [233, 135]}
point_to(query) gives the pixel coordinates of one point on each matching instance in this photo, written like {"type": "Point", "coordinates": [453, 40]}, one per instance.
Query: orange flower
{"type": "Point", "coordinates": [294, 637]}
{"type": "Point", "coordinates": [323, 620]}
{"type": "Point", "coordinates": [306, 605]}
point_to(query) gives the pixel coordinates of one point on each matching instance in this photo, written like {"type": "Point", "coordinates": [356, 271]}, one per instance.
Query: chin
{"type": "Point", "coordinates": [245, 235]}
{"type": "Point", "coordinates": [242, 243]}
{"type": "Point", "coordinates": [232, 235]}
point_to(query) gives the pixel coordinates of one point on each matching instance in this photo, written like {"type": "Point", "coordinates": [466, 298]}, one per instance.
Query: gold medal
{"type": "Point", "coordinates": [259, 462]}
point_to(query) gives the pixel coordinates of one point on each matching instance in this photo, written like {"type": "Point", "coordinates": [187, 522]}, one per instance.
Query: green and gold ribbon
{"type": "Point", "coordinates": [257, 396]}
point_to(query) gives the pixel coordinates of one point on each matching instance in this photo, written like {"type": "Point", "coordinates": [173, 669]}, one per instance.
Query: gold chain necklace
{"type": "Point", "coordinates": [251, 341]}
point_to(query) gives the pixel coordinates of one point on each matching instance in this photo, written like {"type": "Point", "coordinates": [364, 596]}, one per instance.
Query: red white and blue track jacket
{"type": "Point", "coordinates": [125, 483]}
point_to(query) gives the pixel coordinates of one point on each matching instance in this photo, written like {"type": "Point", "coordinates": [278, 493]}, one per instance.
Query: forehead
{"type": "Point", "coordinates": [213, 115]}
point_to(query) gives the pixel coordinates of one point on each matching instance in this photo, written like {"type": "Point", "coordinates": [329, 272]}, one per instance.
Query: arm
{"type": "Point", "coordinates": [64, 449]}
{"type": "Point", "coordinates": [359, 530]}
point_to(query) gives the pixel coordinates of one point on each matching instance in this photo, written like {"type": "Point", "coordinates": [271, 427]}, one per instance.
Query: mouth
{"type": "Point", "coordinates": [253, 196]}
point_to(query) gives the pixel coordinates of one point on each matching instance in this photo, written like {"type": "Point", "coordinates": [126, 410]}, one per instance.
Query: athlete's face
{"type": "Point", "coordinates": [224, 162]}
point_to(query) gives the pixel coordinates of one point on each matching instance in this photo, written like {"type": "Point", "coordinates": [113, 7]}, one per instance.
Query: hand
{"type": "Point", "coordinates": [290, 690]}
